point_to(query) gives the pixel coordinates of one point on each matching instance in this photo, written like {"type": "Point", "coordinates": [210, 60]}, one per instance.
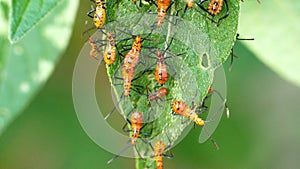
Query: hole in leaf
{"type": "Point", "coordinates": [205, 61]}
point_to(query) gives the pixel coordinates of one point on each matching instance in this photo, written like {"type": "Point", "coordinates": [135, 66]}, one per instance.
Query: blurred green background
{"type": "Point", "coordinates": [262, 132]}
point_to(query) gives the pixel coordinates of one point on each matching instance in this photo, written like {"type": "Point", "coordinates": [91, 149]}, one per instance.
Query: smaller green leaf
{"type": "Point", "coordinates": [26, 14]}
{"type": "Point", "coordinates": [275, 27]}
{"type": "Point", "coordinates": [26, 65]}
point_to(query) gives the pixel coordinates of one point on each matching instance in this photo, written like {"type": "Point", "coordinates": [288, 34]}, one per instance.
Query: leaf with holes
{"type": "Point", "coordinates": [26, 65]}
{"type": "Point", "coordinates": [199, 46]}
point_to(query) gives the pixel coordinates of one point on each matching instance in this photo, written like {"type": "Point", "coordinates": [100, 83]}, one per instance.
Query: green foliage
{"type": "Point", "coordinates": [275, 27]}
{"type": "Point", "coordinates": [26, 65]}
{"type": "Point", "coordinates": [195, 36]}
{"type": "Point", "coordinates": [26, 14]}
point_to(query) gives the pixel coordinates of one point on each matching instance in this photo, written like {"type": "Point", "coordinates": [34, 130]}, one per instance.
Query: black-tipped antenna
{"type": "Point", "coordinates": [238, 35]}
{"type": "Point", "coordinates": [226, 107]}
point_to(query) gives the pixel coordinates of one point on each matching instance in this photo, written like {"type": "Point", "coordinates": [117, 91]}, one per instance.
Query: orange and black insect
{"type": "Point", "coordinates": [94, 46]}
{"type": "Point", "coordinates": [162, 7]}
{"type": "Point", "coordinates": [128, 68]}
{"type": "Point", "coordinates": [136, 123]}
{"type": "Point", "coordinates": [130, 61]}
{"type": "Point", "coordinates": [99, 16]}
{"type": "Point", "coordinates": [127, 84]}
{"type": "Point", "coordinates": [94, 49]}
{"type": "Point", "coordinates": [214, 8]}
{"type": "Point", "coordinates": [159, 94]}
{"type": "Point", "coordinates": [132, 57]}
{"type": "Point", "coordinates": [161, 71]}
{"type": "Point", "coordinates": [110, 50]}
{"type": "Point", "coordinates": [182, 109]}
{"type": "Point", "coordinates": [158, 150]}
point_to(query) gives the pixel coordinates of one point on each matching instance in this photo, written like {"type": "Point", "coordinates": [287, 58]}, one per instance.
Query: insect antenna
{"type": "Point", "coordinates": [122, 96]}
{"type": "Point", "coordinates": [217, 112]}
{"type": "Point", "coordinates": [118, 155]}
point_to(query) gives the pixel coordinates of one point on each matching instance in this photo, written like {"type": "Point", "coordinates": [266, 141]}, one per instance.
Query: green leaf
{"type": "Point", "coordinates": [26, 65]}
{"type": "Point", "coordinates": [26, 14]}
{"type": "Point", "coordinates": [194, 37]}
{"type": "Point", "coordinates": [275, 27]}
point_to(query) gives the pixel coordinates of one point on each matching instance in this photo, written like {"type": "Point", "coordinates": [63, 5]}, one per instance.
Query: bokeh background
{"type": "Point", "coordinates": [262, 132]}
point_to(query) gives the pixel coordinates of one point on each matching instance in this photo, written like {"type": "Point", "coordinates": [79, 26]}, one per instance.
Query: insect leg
{"type": "Point", "coordinates": [176, 21]}
{"type": "Point", "coordinates": [124, 127]}
{"type": "Point", "coordinates": [231, 59]}
{"type": "Point", "coordinates": [173, 69]}
{"type": "Point", "coordinates": [184, 11]}
{"type": "Point", "coordinates": [91, 11]}
{"type": "Point", "coordinates": [200, 4]}
{"type": "Point", "coordinates": [138, 152]}
{"type": "Point", "coordinates": [170, 155]}
{"type": "Point", "coordinates": [115, 74]}
{"type": "Point", "coordinates": [226, 15]}
{"type": "Point", "coordinates": [232, 56]}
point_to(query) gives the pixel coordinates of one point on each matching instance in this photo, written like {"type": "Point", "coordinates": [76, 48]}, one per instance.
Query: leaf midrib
{"type": "Point", "coordinates": [22, 16]}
